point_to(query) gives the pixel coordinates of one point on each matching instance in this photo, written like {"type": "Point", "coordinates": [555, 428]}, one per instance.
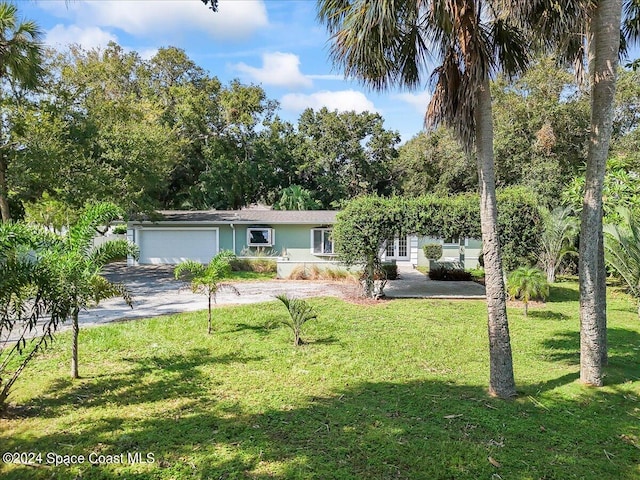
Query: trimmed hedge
{"type": "Point", "coordinates": [432, 251]}
{"type": "Point", "coordinates": [450, 274]}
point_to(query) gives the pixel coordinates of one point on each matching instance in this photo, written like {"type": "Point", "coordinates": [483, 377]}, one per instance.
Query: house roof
{"type": "Point", "coordinates": [250, 216]}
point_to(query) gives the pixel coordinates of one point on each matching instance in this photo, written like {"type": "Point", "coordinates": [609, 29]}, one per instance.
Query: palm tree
{"type": "Point", "coordinates": [31, 307]}
{"type": "Point", "coordinates": [206, 279]}
{"type": "Point", "coordinates": [79, 266]}
{"type": "Point", "coordinates": [622, 251]}
{"type": "Point", "coordinates": [528, 283]}
{"type": "Point", "coordinates": [560, 231]}
{"type": "Point", "coordinates": [294, 197]}
{"type": "Point", "coordinates": [20, 60]}
{"type": "Point", "coordinates": [390, 43]}
{"type": "Point", "coordinates": [300, 312]}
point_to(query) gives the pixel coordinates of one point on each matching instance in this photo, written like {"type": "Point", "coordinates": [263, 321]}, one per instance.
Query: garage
{"type": "Point", "coordinates": [172, 245]}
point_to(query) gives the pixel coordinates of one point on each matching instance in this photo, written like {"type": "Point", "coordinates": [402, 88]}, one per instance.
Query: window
{"type": "Point", "coordinates": [259, 237]}
{"type": "Point", "coordinates": [454, 241]}
{"type": "Point", "coordinates": [321, 242]}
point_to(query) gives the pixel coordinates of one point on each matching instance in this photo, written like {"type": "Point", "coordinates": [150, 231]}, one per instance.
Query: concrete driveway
{"type": "Point", "coordinates": [155, 292]}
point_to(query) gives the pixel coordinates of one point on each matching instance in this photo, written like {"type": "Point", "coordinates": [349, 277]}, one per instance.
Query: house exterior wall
{"type": "Point", "coordinates": [472, 248]}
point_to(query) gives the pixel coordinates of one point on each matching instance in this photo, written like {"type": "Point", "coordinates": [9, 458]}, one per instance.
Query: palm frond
{"type": "Point", "coordinates": [113, 250]}
{"type": "Point", "coordinates": [80, 236]}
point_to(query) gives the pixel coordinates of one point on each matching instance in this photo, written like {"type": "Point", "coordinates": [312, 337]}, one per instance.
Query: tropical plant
{"type": "Point", "coordinates": [20, 59]}
{"type": "Point", "coordinates": [527, 283]}
{"type": "Point", "coordinates": [207, 279]}
{"type": "Point", "coordinates": [79, 265]}
{"type": "Point", "coordinates": [622, 251]}
{"type": "Point", "coordinates": [557, 239]}
{"type": "Point", "coordinates": [294, 197]}
{"type": "Point", "coordinates": [31, 307]}
{"type": "Point", "coordinates": [300, 312]}
{"type": "Point", "coordinates": [387, 43]}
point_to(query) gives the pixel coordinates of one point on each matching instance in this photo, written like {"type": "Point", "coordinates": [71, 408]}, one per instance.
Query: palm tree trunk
{"type": "Point", "coordinates": [4, 189]}
{"type": "Point", "coordinates": [74, 344]}
{"type": "Point", "coordinates": [605, 28]}
{"type": "Point", "coordinates": [501, 380]}
{"type": "Point", "coordinates": [209, 324]}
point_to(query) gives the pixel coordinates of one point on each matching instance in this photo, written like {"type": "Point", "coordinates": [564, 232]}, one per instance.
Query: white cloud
{"type": "Point", "coordinates": [419, 101]}
{"type": "Point", "coordinates": [279, 69]}
{"type": "Point", "coordinates": [343, 101]}
{"type": "Point", "coordinates": [88, 38]}
{"type": "Point", "coordinates": [234, 20]}
{"type": "Point", "coordinates": [327, 77]}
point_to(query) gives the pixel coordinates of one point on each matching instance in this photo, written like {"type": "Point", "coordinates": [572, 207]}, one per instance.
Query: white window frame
{"type": "Point", "coordinates": [271, 237]}
{"type": "Point", "coordinates": [324, 231]}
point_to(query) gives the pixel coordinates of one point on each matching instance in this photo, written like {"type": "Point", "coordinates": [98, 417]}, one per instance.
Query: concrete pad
{"type": "Point", "coordinates": [414, 284]}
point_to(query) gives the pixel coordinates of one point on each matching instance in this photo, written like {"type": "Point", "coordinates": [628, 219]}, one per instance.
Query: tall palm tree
{"type": "Point", "coordinates": [385, 43]}
{"type": "Point", "coordinates": [80, 264]}
{"type": "Point", "coordinates": [20, 61]}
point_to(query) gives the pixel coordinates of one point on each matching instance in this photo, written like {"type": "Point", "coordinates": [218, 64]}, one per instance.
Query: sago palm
{"type": "Point", "coordinates": [20, 62]}
{"type": "Point", "coordinates": [622, 251]}
{"type": "Point", "coordinates": [385, 43]}
{"type": "Point", "coordinates": [208, 279]}
{"type": "Point", "coordinates": [527, 283]}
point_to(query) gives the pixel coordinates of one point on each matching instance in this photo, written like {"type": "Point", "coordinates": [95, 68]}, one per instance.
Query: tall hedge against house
{"type": "Point", "coordinates": [368, 222]}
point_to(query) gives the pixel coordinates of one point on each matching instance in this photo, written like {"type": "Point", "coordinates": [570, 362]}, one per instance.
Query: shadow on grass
{"type": "Point", "coordinates": [624, 352]}
{"type": "Point", "coordinates": [151, 379]}
{"type": "Point", "coordinates": [384, 430]}
{"type": "Point", "coordinates": [547, 315]}
{"type": "Point", "coordinates": [558, 293]}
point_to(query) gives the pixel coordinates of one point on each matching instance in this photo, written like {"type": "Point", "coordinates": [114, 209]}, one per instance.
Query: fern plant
{"type": "Point", "coordinates": [300, 312]}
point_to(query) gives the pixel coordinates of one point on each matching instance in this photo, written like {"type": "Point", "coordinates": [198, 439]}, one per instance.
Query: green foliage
{"type": "Point", "coordinates": [50, 212]}
{"type": "Point", "coordinates": [300, 312]}
{"type": "Point", "coordinates": [434, 162]}
{"type": "Point", "coordinates": [345, 154]}
{"type": "Point", "coordinates": [446, 273]}
{"type": "Point", "coordinates": [560, 229]}
{"type": "Point", "coordinates": [258, 265]}
{"type": "Point", "coordinates": [208, 279]}
{"type": "Point", "coordinates": [119, 229]}
{"type": "Point", "coordinates": [366, 223]}
{"type": "Point", "coordinates": [31, 304]}
{"type": "Point", "coordinates": [432, 251]}
{"type": "Point", "coordinates": [294, 197]}
{"type": "Point", "coordinates": [78, 265]}
{"type": "Point", "coordinates": [622, 251]}
{"type": "Point", "coordinates": [527, 283]}
{"type": "Point", "coordinates": [388, 271]}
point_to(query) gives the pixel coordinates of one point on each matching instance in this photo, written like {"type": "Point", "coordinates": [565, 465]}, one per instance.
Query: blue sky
{"type": "Point", "coordinates": [277, 44]}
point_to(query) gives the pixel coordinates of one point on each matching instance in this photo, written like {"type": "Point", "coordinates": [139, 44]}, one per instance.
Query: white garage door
{"type": "Point", "coordinates": [171, 246]}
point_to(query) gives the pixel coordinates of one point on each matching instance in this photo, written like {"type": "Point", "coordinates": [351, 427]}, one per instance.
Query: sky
{"type": "Point", "coordinates": [277, 44]}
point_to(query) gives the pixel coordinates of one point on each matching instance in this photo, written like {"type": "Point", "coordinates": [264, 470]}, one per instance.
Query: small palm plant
{"type": "Point", "coordinates": [300, 312]}
{"type": "Point", "coordinates": [527, 283]}
{"type": "Point", "coordinates": [207, 279]}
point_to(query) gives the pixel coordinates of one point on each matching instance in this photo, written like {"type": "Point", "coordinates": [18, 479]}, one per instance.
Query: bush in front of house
{"type": "Point", "coordinates": [258, 265]}
{"type": "Point", "coordinates": [432, 251]}
{"type": "Point", "coordinates": [389, 271]}
{"type": "Point", "coordinates": [449, 274]}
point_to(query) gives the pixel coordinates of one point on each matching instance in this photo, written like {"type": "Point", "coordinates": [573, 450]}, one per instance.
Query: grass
{"type": "Point", "coordinates": [392, 390]}
{"type": "Point", "coordinates": [246, 275]}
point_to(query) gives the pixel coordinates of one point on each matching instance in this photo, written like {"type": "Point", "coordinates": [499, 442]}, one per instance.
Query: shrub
{"type": "Point", "coordinates": [119, 229]}
{"type": "Point", "coordinates": [432, 251]}
{"type": "Point", "coordinates": [258, 265]}
{"type": "Point", "coordinates": [313, 272]}
{"type": "Point", "coordinates": [449, 274]}
{"type": "Point", "coordinates": [389, 271]}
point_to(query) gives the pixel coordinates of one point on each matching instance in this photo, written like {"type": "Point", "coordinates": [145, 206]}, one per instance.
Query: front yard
{"type": "Point", "coordinates": [393, 390]}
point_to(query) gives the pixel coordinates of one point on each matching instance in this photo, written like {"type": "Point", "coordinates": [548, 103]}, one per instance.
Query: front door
{"type": "Point", "coordinates": [398, 249]}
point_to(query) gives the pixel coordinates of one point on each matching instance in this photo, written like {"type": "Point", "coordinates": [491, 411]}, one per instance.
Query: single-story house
{"type": "Point", "coordinates": [292, 237]}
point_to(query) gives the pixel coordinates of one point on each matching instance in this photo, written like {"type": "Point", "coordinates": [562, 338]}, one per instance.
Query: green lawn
{"type": "Point", "coordinates": [393, 390]}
